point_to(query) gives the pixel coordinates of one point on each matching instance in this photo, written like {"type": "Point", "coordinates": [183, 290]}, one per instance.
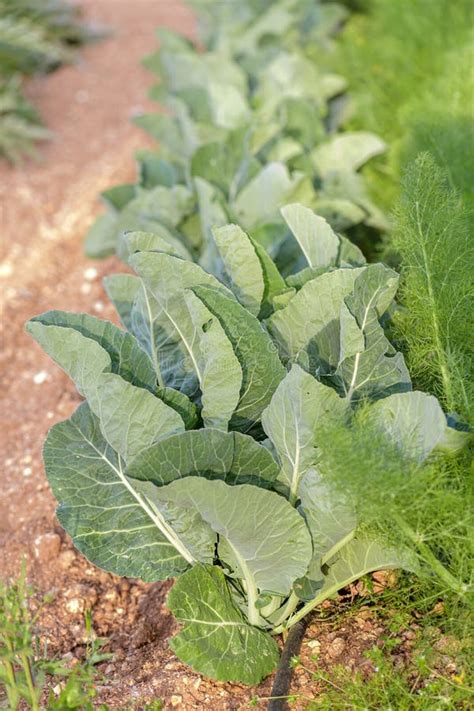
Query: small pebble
{"type": "Point", "coordinates": [176, 699]}
{"type": "Point", "coordinates": [74, 606]}
{"type": "Point", "coordinates": [27, 471]}
{"type": "Point", "coordinates": [336, 647]}
{"type": "Point", "coordinates": [90, 274]}
{"type": "Point", "coordinates": [40, 378]}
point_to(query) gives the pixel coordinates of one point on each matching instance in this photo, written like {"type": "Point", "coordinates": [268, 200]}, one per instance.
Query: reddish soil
{"type": "Point", "coordinates": [46, 210]}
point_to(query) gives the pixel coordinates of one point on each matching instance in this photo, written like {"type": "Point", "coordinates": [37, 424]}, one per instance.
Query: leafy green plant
{"type": "Point", "coordinates": [199, 453]}
{"type": "Point", "coordinates": [432, 237]}
{"type": "Point", "coordinates": [252, 123]}
{"type": "Point", "coordinates": [36, 36]}
{"type": "Point", "coordinates": [420, 687]}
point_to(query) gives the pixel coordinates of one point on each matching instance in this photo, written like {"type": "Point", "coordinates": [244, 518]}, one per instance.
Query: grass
{"type": "Point", "coordinates": [409, 67]}
{"type": "Point", "coordinates": [26, 672]}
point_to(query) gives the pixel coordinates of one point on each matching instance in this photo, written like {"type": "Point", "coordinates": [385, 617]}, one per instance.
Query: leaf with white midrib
{"type": "Point", "coordinates": [107, 520]}
{"type": "Point", "coordinates": [216, 640]}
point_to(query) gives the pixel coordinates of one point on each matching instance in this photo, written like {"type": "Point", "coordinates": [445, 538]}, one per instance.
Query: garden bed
{"type": "Point", "coordinates": [48, 208]}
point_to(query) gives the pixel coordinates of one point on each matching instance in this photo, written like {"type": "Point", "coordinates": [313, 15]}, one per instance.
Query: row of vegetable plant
{"type": "Point", "coordinates": [253, 348]}
{"type": "Point", "coordinates": [36, 36]}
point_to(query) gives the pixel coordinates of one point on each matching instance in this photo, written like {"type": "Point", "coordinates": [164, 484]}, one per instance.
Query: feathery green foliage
{"type": "Point", "coordinates": [432, 237]}
{"type": "Point", "coordinates": [409, 67]}
{"type": "Point", "coordinates": [427, 505]}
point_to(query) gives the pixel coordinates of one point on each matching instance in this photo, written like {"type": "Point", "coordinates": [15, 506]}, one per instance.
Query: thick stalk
{"type": "Point", "coordinates": [253, 614]}
{"type": "Point", "coordinates": [288, 609]}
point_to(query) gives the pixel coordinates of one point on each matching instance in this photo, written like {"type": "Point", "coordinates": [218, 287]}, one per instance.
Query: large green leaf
{"type": "Point", "coordinates": [414, 421]}
{"type": "Point", "coordinates": [299, 405]}
{"type": "Point", "coordinates": [106, 518]}
{"type": "Point", "coordinates": [242, 266]}
{"type": "Point", "coordinates": [347, 151]}
{"type": "Point", "coordinates": [262, 197]}
{"type": "Point", "coordinates": [127, 358]}
{"type": "Point", "coordinates": [233, 457]}
{"type": "Point", "coordinates": [163, 318]}
{"type": "Point", "coordinates": [221, 374]}
{"type": "Point", "coordinates": [216, 640]}
{"type": "Point", "coordinates": [131, 418]}
{"type": "Point", "coordinates": [361, 556]}
{"type": "Point", "coordinates": [262, 537]}
{"type": "Point", "coordinates": [261, 367]}
{"type": "Point", "coordinates": [331, 521]}
{"type": "Point", "coordinates": [314, 308]}
{"type": "Point", "coordinates": [82, 358]}
{"type": "Point", "coordinates": [368, 364]}
{"type": "Point", "coordinates": [319, 243]}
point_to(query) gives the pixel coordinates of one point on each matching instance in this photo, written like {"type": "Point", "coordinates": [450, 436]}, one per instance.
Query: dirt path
{"type": "Point", "coordinates": [46, 209]}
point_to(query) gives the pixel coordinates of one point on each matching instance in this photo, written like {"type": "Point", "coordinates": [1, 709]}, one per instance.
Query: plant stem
{"type": "Point", "coordinates": [288, 609]}
{"type": "Point", "coordinates": [11, 685]}
{"type": "Point", "coordinates": [443, 365]}
{"type": "Point", "coordinates": [29, 680]}
{"type": "Point", "coordinates": [426, 552]}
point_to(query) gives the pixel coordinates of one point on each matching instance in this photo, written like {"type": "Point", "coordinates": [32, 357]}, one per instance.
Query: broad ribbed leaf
{"type": "Point", "coordinates": [314, 308]}
{"type": "Point", "coordinates": [368, 364]}
{"type": "Point", "coordinates": [414, 421]}
{"type": "Point", "coordinates": [242, 266]}
{"type": "Point", "coordinates": [260, 200]}
{"type": "Point", "coordinates": [233, 457]}
{"type": "Point", "coordinates": [131, 418]}
{"type": "Point", "coordinates": [161, 240]}
{"type": "Point", "coordinates": [319, 243]}
{"type": "Point", "coordinates": [331, 522]}
{"type": "Point", "coordinates": [216, 640]}
{"type": "Point", "coordinates": [347, 151]}
{"type": "Point", "coordinates": [261, 536]}
{"type": "Point", "coordinates": [163, 317]}
{"type": "Point", "coordinates": [299, 405]}
{"type": "Point", "coordinates": [99, 508]}
{"type": "Point", "coordinates": [82, 358]}
{"type": "Point", "coordinates": [261, 367]}
{"type": "Point", "coordinates": [363, 555]}
{"type": "Point", "coordinates": [221, 374]}
{"type": "Point", "coordinates": [127, 358]}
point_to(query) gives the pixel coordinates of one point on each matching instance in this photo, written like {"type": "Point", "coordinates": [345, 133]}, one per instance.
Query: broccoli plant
{"type": "Point", "coordinates": [197, 451]}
